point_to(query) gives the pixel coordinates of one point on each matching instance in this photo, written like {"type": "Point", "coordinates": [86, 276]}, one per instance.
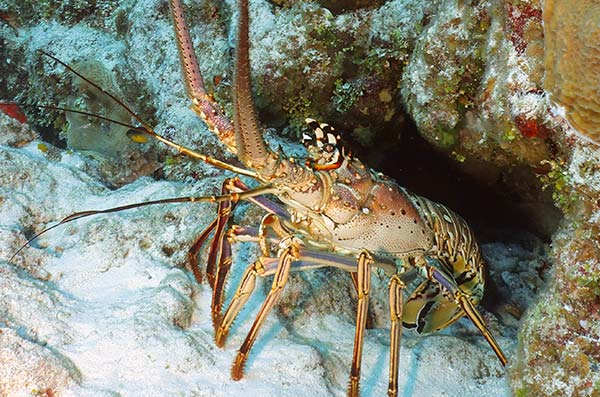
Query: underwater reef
{"type": "Point", "coordinates": [505, 92]}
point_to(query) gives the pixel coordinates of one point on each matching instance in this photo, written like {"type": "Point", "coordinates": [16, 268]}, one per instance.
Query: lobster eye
{"type": "Point", "coordinates": [307, 140]}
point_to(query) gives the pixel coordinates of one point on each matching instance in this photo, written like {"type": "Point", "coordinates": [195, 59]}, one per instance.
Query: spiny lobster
{"type": "Point", "coordinates": [332, 211]}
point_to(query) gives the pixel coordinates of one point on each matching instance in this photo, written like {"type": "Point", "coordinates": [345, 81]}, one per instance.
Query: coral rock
{"type": "Point", "coordinates": [39, 370]}
{"type": "Point", "coordinates": [572, 61]}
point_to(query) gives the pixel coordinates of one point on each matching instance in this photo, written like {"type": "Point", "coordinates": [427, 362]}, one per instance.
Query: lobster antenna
{"type": "Point", "coordinates": [186, 199]}
{"type": "Point", "coordinates": [150, 131]}
{"type": "Point", "coordinates": [51, 107]}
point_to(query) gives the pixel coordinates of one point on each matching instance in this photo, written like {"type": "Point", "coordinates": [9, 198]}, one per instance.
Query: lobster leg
{"type": "Point", "coordinates": [195, 248]}
{"type": "Point", "coordinates": [269, 221]}
{"type": "Point", "coordinates": [220, 252]}
{"type": "Point", "coordinates": [232, 185]}
{"type": "Point", "coordinates": [242, 294]}
{"type": "Point", "coordinates": [286, 257]}
{"type": "Point", "coordinates": [364, 286]}
{"type": "Point", "coordinates": [235, 232]}
{"type": "Point", "coordinates": [225, 261]}
{"type": "Point", "coordinates": [463, 300]}
{"type": "Point", "coordinates": [354, 277]}
{"type": "Point", "coordinates": [219, 257]}
{"type": "Point", "coordinates": [266, 266]}
{"type": "Point", "coordinates": [223, 214]}
{"type": "Point", "coordinates": [396, 286]}
{"type": "Point", "coordinates": [262, 202]}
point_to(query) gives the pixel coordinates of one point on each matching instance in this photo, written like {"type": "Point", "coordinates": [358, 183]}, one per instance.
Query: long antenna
{"type": "Point", "coordinates": [82, 112]}
{"type": "Point", "coordinates": [147, 129]}
{"type": "Point", "coordinates": [259, 191]}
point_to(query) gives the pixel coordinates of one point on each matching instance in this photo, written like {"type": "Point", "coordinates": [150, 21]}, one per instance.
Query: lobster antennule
{"type": "Point", "coordinates": [252, 149]}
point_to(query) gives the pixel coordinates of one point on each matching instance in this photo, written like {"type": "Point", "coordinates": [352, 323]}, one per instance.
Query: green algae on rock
{"type": "Point", "coordinates": [558, 352]}
{"type": "Point", "coordinates": [472, 91]}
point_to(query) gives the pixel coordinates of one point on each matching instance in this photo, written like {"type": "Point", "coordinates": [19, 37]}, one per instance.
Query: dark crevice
{"type": "Point", "coordinates": [52, 136]}
{"type": "Point", "coordinates": [493, 210]}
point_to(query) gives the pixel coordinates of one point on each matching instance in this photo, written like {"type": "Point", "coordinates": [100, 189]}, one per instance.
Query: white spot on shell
{"type": "Point", "coordinates": [366, 211]}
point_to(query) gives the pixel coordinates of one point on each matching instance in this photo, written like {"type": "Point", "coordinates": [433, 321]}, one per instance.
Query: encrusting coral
{"type": "Point", "coordinates": [572, 61]}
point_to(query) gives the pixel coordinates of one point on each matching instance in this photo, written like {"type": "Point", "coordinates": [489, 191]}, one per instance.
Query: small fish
{"type": "Point", "coordinates": [137, 136]}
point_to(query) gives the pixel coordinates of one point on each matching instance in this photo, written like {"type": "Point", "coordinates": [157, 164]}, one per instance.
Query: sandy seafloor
{"type": "Point", "coordinates": [104, 306]}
